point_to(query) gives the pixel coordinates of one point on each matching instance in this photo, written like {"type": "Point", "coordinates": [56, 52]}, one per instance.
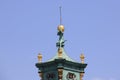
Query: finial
{"type": "Point", "coordinates": [39, 58]}
{"type": "Point", "coordinates": [60, 33]}
{"type": "Point", "coordinates": [82, 57]}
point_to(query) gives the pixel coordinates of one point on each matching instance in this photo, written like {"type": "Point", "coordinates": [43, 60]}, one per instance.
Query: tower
{"type": "Point", "coordinates": [61, 67]}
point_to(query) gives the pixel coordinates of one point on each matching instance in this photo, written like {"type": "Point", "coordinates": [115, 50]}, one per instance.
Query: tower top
{"type": "Point", "coordinates": [61, 66]}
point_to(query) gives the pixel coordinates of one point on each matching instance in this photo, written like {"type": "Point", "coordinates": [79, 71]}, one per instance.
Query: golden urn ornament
{"type": "Point", "coordinates": [39, 58]}
{"type": "Point", "coordinates": [82, 57]}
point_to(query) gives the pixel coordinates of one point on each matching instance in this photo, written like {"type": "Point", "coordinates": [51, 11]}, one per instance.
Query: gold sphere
{"type": "Point", "coordinates": [61, 28]}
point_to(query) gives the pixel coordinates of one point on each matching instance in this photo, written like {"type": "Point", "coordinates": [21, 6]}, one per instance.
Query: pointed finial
{"type": "Point", "coordinates": [82, 57]}
{"type": "Point", "coordinates": [39, 58]}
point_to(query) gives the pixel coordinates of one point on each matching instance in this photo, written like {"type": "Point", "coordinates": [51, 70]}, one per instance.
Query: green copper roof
{"type": "Point", "coordinates": [64, 56]}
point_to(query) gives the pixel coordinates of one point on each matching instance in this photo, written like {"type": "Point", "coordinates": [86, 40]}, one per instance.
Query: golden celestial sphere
{"type": "Point", "coordinates": [61, 28]}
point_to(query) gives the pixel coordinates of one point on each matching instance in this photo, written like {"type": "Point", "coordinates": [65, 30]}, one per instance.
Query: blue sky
{"type": "Point", "coordinates": [29, 27]}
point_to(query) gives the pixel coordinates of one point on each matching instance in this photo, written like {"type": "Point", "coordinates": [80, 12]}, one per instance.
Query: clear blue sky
{"type": "Point", "coordinates": [28, 27]}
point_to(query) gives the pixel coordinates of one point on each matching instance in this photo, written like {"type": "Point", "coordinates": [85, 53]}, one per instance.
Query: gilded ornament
{"type": "Point", "coordinates": [61, 28]}
{"type": "Point", "coordinates": [82, 57]}
{"type": "Point", "coordinates": [39, 57]}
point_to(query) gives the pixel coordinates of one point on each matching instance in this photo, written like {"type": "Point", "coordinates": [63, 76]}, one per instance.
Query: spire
{"type": "Point", "coordinates": [60, 16]}
{"type": "Point", "coordinates": [61, 54]}
{"type": "Point", "coordinates": [60, 33]}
